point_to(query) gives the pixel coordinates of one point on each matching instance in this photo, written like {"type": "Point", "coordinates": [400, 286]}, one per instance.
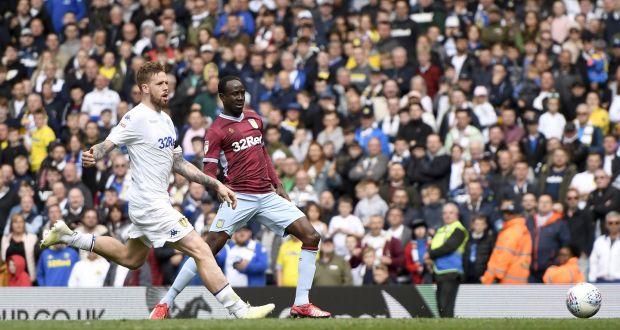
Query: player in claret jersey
{"type": "Point", "coordinates": [235, 141]}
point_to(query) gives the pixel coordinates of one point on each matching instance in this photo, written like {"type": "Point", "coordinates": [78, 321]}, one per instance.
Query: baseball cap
{"type": "Point", "coordinates": [26, 32]}
{"type": "Point", "coordinates": [570, 127]}
{"type": "Point", "coordinates": [304, 14]}
{"type": "Point", "coordinates": [368, 112]}
{"type": "Point", "coordinates": [293, 106]}
{"type": "Point", "coordinates": [206, 48]}
{"type": "Point", "coordinates": [480, 91]}
{"type": "Point", "coordinates": [327, 94]}
{"type": "Point", "coordinates": [452, 22]}
{"type": "Point", "coordinates": [512, 209]}
{"type": "Point", "coordinates": [418, 223]}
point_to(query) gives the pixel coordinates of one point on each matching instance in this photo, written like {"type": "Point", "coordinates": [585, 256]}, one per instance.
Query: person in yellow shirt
{"type": "Point", "coordinates": [599, 117]}
{"type": "Point", "coordinates": [287, 264]}
{"type": "Point", "coordinates": [39, 139]}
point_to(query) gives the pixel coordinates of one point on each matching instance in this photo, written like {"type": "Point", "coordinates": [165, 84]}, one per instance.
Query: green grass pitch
{"type": "Point", "coordinates": [357, 324]}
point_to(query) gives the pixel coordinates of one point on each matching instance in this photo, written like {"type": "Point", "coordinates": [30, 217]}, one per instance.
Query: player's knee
{"type": "Point", "coordinates": [311, 238]}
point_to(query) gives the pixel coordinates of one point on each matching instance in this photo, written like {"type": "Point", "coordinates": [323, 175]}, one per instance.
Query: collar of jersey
{"type": "Point", "coordinates": [237, 119]}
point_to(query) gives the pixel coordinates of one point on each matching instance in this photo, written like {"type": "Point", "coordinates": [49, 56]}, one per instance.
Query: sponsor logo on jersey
{"type": "Point", "coordinates": [127, 117]}
{"type": "Point", "coordinates": [247, 142]}
{"type": "Point", "coordinates": [206, 147]}
{"type": "Point", "coordinates": [231, 130]}
{"type": "Point", "coordinates": [219, 223]}
{"type": "Point", "coordinates": [253, 123]}
{"type": "Point", "coordinates": [183, 222]}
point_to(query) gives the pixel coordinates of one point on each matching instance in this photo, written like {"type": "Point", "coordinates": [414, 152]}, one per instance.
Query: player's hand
{"type": "Point", "coordinates": [88, 159]}
{"type": "Point", "coordinates": [280, 191]}
{"type": "Point", "coordinates": [225, 194]}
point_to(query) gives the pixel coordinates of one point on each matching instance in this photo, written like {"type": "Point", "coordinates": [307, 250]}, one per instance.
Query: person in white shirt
{"type": "Point", "coordinates": [584, 181]}
{"type": "Point", "coordinates": [245, 260]}
{"type": "Point", "coordinates": [344, 224]}
{"type": "Point", "coordinates": [101, 98]}
{"type": "Point", "coordinates": [150, 137]}
{"type": "Point", "coordinates": [605, 256]}
{"type": "Point", "coordinates": [552, 122]}
{"type": "Point", "coordinates": [396, 220]}
{"type": "Point", "coordinates": [484, 110]}
{"type": "Point", "coordinates": [196, 128]}
{"type": "Point", "coordinates": [89, 272]}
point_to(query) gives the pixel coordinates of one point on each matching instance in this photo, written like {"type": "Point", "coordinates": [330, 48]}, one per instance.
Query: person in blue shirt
{"type": "Point", "coordinates": [58, 9]}
{"type": "Point", "coordinates": [244, 260]}
{"type": "Point", "coordinates": [55, 265]}
{"type": "Point", "coordinates": [247, 21]}
{"type": "Point", "coordinates": [369, 130]}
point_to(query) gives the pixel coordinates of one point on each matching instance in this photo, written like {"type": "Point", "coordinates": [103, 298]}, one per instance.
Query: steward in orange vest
{"type": "Point", "coordinates": [567, 272]}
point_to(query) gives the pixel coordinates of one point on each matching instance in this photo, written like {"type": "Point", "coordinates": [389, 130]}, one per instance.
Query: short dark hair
{"type": "Point", "coordinates": [146, 71]}
{"type": "Point", "coordinates": [221, 86]}
{"type": "Point", "coordinates": [346, 199]}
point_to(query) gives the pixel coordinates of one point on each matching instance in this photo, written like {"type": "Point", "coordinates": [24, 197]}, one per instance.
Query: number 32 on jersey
{"type": "Point", "coordinates": [165, 142]}
{"type": "Point", "coordinates": [247, 142]}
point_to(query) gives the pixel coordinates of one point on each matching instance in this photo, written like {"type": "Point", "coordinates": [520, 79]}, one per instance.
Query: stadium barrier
{"type": "Point", "coordinates": [344, 302]}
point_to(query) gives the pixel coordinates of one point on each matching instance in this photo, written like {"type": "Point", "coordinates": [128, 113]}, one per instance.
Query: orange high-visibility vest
{"type": "Point", "coordinates": [512, 255]}
{"type": "Point", "coordinates": [564, 274]}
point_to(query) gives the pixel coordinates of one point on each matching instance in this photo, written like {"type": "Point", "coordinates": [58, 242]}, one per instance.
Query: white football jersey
{"type": "Point", "coordinates": [150, 138]}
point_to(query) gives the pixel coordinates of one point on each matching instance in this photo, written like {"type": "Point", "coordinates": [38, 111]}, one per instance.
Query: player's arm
{"type": "Point", "coordinates": [97, 152]}
{"type": "Point", "coordinates": [192, 173]}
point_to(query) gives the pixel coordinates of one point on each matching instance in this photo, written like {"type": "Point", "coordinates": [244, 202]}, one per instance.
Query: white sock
{"type": "Point", "coordinates": [80, 241]}
{"type": "Point", "coordinates": [187, 273]}
{"type": "Point", "coordinates": [307, 266]}
{"type": "Point", "coordinates": [227, 297]}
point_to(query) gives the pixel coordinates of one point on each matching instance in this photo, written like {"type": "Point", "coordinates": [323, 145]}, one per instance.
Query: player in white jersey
{"type": "Point", "coordinates": [150, 138]}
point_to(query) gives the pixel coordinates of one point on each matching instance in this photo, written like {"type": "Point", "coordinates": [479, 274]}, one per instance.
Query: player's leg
{"type": "Point", "coordinates": [216, 241]}
{"type": "Point", "coordinates": [131, 255]}
{"type": "Point", "coordinates": [215, 281]}
{"type": "Point", "coordinates": [283, 217]}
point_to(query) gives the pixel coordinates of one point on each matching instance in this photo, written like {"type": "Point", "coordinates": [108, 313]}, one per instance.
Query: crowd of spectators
{"type": "Point", "coordinates": [387, 120]}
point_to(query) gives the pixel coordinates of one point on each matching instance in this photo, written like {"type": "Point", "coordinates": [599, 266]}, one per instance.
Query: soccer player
{"type": "Point", "coordinates": [150, 138]}
{"type": "Point", "coordinates": [235, 141]}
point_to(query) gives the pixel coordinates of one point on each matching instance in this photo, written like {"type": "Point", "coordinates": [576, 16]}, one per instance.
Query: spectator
{"type": "Point", "coordinates": [446, 255]}
{"type": "Point", "coordinates": [30, 214]}
{"type": "Point", "coordinates": [73, 181]}
{"type": "Point", "coordinates": [20, 243]}
{"type": "Point", "coordinates": [118, 225]}
{"type": "Point", "coordinates": [588, 134]}
{"type": "Point", "coordinates": [193, 200]}
{"type": "Point", "coordinates": [196, 128]}
{"type": "Point", "coordinates": [580, 226]}
{"type": "Point", "coordinates": [567, 271]}
{"type": "Point", "coordinates": [287, 262]}
{"type": "Point", "coordinates": [584, 181]}
{"type": "Point", "coordinates": [313, 213]}
{"type": "Point", "coordinates": [552, 122]}
{"type": "Point", "coordinates": [395, 218]}
{"type": "Point", "coordinates": [415, 131]}
{"type": "Point", "coordinates": [602, 200]}
{"type": "Point", "coordinates": [90, 225]}
{"type": "Point", "coordinates": [370, 204]}
{"type": "Point", "coordinates": [555, 178]}
{"type": "Point", "coordinates": [605, 257]}
{"type": "Point", "coordinates": [18, 277]}
{"type": "Point", "coordinates": [331, 269]}
{"type": "Point", "coordinates": [120, 178]}
{"type": "Point", "coordinates": [244, 260]}
{"type": "Point", "coordinates": [388, 250]}
{"type": "Point", "coordinates": [533, 145]}
{"type": "Point", "coordinates": [520, 184]}
{"type": "Point", "coordinates": [475, 204]}
{"type": "Point", "coordinates": [431, 167]}
{"type": "Point", "coordinates": [381, 276]}
{"type": "Point", "coordinates": [303, 192]}
{"type": "Point", "coordinates": [75, 209]}
{"type": "Point", "coordinates": [549, 233]}
{"type": "Point", "coordinates": [343, 225]}
{"type": "Point", "coordinates": [478, 250]}
{"type": "Point", "coordinates": [463, 132]}
{"type": "Point", "coordinates": [36, 142]}
{"type": "Point", "coordinates": [611, 159]}
{"type": "Point", "coordinates": [432, 208]}
{"type": "Point", "coordinates": [101, 98]}
{"type": "Point", "coordinates": [55, 265]}
{"type": "Point", "coordinates": [89, 272]}
{"type": "Point", "coordinates": [415, 250]}
{"type": "Point", "coordinates": [363, 274]}
{"type": "Point", "coordinates": [367, 133]}
{"type": "Point", "coordinates": [371, 167]}
{"type": "Point", "coordinates": [512, 253]}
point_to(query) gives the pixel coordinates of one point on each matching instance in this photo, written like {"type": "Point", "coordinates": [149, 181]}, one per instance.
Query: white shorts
{"type": "Point", "coordinates": [156, 225]}
{"type": "Point", "coordinates": [270, 209]}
